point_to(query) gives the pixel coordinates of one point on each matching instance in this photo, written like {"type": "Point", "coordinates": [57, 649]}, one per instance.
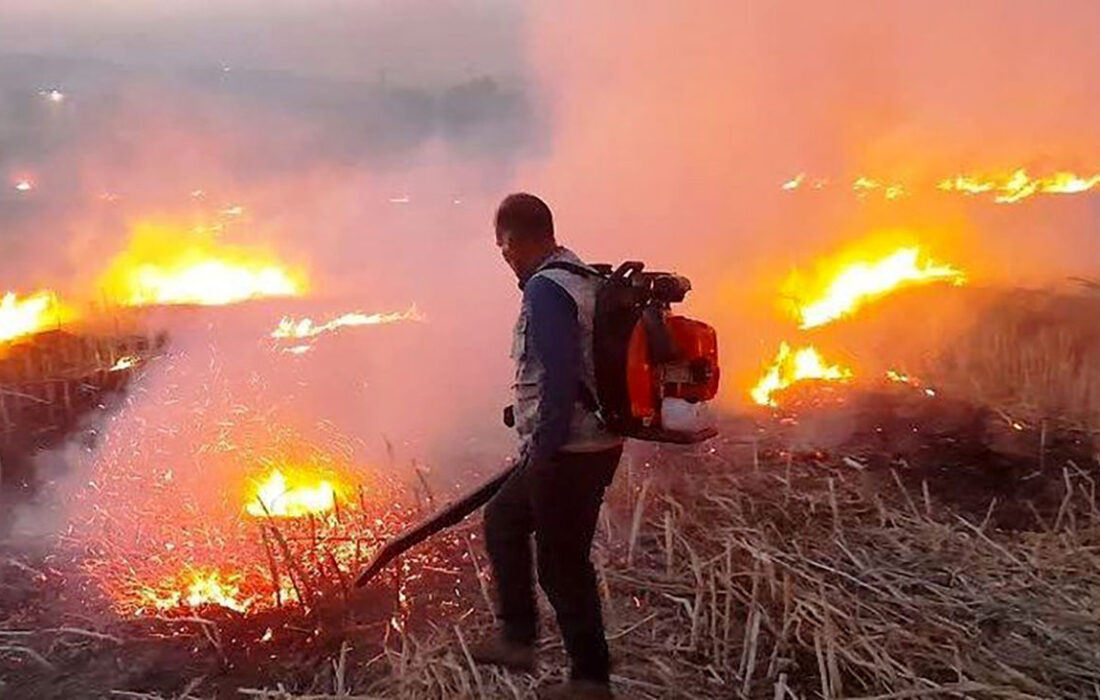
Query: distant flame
{"type": "Point", "coordinates": [1019, 185]}
{"type": "Point", "coordinates": [24, 186]}
{"type": "Point", "coordinates": [307, 328]}
{"type": "Point", "coordinates": [863, 185]}
{"type": "Point", "coordinates": [276, 498]}
{"type": "Point", "coordinates": [30, 314]}
{"type": "Point", "coordinates": [861, 281]}
{"type": "Point", "coordinates": [164, 265]}
{"type": "Point", "coordinates": [790, 367]}
{"type": "Point", "coordinates": [1006, 188]}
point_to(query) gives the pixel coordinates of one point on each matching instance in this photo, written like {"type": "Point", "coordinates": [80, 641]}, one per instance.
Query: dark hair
{"type": "Point", "coordinates": [525, 216]}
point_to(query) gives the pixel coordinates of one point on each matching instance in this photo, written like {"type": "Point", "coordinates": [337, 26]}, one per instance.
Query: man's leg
{"type": "Point", "coordinates": [567, 494]}
{"type": "Point", "coordinates": [508, 525]}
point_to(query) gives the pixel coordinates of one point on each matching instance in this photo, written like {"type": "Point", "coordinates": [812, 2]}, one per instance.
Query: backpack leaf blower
{"type": "Point", "coordinates": [655, 371]}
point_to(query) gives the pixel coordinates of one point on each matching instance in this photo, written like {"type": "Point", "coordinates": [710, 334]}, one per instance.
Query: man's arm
{"type": "Point", "coordinates": [554, 337]}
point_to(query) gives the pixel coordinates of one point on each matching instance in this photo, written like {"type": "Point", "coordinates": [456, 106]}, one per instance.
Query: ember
{"type": "Point", "coordinates": [198, 499]}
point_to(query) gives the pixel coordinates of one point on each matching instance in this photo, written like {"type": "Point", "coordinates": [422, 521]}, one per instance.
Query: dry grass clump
{"type": "Point", "coordinates": [1033, 351]}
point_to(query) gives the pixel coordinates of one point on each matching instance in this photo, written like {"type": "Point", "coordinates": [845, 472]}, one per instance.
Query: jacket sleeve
{"type": "Point", "coordinates": [554, 338]}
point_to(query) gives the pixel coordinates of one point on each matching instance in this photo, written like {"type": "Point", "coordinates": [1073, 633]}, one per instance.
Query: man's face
{"type": "Point", "coordinates": [515, 251]}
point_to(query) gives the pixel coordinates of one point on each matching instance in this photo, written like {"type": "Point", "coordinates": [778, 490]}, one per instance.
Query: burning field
{"type": "Point", "coordinates": [869, 524]}
{"type": "Point", "coordinates": [253, 325]}
{"type": "Point", "coordinates": [932, 544]}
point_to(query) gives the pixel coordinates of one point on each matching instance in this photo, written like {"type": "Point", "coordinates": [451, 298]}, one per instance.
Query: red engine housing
{"type": "Point", "coordinates": [691, 375]}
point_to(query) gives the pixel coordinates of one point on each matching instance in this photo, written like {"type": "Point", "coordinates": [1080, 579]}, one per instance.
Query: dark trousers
{"type": "Point", "coordinates": [559, 500]}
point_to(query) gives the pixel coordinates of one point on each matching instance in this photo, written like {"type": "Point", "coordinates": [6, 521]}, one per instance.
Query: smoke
{"type": "Point", "coordinates": [372, 165]}
{"type": "Point", "coordinates": [673, 129]}
{"type": "Point", "coordinates": [411, 42]}
{"type": "Point", "coordinates": [369, 143]}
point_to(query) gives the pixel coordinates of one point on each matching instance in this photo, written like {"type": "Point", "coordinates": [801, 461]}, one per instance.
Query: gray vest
{"type": "Point", "coordinates": [585, 433]}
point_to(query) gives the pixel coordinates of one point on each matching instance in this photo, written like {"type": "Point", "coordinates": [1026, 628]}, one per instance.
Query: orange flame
{"type": "Point", "coordinates": [789, 367]}
{"type": "Point", "coordinates": [851, 285]}
{"type": "Point", "coordinates": [859, 282]}
{"type": "Point", "coordinates": [30, 314]}
{"type": "Point", "coordinates": [275, 497]}
{"type": "Point", "coordinates": [165, 265]}
{"type": "Point", "coordinates": [195, 589]}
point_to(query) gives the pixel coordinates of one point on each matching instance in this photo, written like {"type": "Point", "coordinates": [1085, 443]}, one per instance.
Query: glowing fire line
{"type": "Point", "coordinates": [1005, 188]}
{"type": "Point", "coordinates": [307, 328]}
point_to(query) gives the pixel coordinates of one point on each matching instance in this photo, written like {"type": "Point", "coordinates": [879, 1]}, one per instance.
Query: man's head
{"type": "Point", "coordinates": [525, 232]}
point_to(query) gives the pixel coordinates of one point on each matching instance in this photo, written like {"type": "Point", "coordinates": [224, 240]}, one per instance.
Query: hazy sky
{"type": "Point", "coordinates": [413, 40]}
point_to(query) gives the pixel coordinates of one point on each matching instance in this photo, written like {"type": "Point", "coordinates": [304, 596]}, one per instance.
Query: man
{"type": "Point", "coordinates": [568, 459]}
